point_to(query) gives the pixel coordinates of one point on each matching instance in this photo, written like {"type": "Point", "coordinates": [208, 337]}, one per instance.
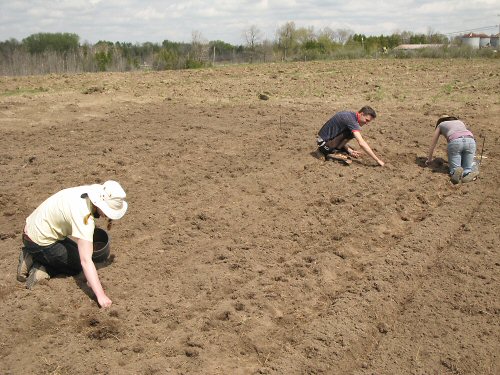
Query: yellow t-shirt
{"type": "Point", "coordinates": [61, 215]}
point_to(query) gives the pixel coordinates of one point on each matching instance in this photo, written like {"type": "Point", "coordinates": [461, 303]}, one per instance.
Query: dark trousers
{"type": "Point", "coordinates": [326, 147]}
{"type": "Point", "coordinates": [61, 257]}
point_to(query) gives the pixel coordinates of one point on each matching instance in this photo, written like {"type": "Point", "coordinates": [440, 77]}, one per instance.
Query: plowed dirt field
{"type": "Point", "coordinates": [243, 253]}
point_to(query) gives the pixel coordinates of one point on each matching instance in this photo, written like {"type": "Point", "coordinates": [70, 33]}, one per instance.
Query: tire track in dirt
{"type": "Point", "coordinates": [447, 313]}
{"type": "Point", "coordinates": [421, 267]}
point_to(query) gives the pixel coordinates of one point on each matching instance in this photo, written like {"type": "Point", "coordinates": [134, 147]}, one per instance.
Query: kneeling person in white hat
{"type": "Point", "coordinates": [47, 249]}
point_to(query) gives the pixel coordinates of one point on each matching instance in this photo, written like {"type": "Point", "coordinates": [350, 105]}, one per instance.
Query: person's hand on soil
{"type": "Point", "coordinates": [104, 302]}
{"type": "Point", "coordinates": [380, 162]}
{"type": "Point", "coordinates": [355, 154]}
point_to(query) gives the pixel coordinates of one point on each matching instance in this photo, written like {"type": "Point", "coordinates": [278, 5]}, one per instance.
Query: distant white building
{"type": "Point", "coordinates": [409, 47]}
{"type": "Point", "coordinates": [494, 39]}
{"type": "Point", "coordinates": [480, 40]}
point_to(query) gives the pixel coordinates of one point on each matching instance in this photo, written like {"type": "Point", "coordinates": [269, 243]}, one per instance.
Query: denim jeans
{"type": "Point", "coordinates": [61, 257]}
{"type": "Point", "coordinates": [461, 152]}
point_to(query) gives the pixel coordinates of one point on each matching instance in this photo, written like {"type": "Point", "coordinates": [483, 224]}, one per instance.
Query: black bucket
{"type": "Point", "coordinates": [101, 245]}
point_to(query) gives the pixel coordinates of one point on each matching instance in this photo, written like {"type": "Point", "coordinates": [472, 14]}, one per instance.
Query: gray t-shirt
{"type": "Point", "coordinates": [454, 129]}
{"type": "Point", "coordinates": [340, 122]}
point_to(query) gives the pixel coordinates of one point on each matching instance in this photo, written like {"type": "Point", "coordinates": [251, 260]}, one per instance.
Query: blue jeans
{"type": "Point", "coordinates": [461, 153]}
{"type": "Point", "coordinates": [61, 257]}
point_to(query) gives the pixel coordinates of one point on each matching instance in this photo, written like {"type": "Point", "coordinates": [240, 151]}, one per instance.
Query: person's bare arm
{"type": "Point", "coordinates": [364, 145]}
{"type": "Point", "coordinates": [434, 141]}
{"type": "Point", "coordinates": [85, 249]}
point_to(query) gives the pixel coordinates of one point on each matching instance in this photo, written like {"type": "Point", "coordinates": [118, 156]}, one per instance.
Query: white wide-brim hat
{"type": "Point", "coordinates": [110, 198]}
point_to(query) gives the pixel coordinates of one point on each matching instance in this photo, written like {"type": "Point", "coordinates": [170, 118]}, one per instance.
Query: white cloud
{"type": "Point", "coordinates": [149, 14]}
{"type": "Point", "coordinates": [156, 20]}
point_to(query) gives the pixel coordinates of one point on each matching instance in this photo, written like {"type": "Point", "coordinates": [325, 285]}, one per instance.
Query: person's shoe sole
{"type": "Point", "coordinates": [457, 175]}
{"type": "Point", "coordinates": [470, 177]}
{"type": "Point", "coordinates": [340, 158]}
{"type": "Point", "coordinates": [37, 274]}
{"type": "Point", "coordinates": [24, 266]}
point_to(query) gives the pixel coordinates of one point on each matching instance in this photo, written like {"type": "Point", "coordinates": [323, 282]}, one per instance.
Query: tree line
{"type": "Point", "coordinates": [43, 53]}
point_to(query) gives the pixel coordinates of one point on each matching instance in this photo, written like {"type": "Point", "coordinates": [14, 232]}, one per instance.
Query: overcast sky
{"type": "Point", "coordinates": [156, 20]}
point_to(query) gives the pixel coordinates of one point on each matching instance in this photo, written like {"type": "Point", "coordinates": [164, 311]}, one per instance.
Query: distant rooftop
{"type": "Point", "coordinates": [418, 46]}
{"type": "Point", "coordinates": [472, 35]}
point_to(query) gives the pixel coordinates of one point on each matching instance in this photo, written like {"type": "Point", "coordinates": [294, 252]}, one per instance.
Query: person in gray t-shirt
{"type": "Point", "coordinates": [461, 149]}
{"type": "Point", "coordinates": [341, 128]}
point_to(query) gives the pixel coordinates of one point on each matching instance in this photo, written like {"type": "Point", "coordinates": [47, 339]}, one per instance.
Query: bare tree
{"type": "Point", "coordinates": [286, 37]}
{"type": "Point", "coordinates": [327, 33]}
{"type": "Point", "coordinates": [343, 35]}
{"type": "Point", "coordinates": [267, 50]}
{"type": "Point", "coordinates": [327, 39]}
{"type": "Point", "coordinates": [405, 36]}
{"type": "Point", "coordinates": [304, 35]}
{"type": "Point", "coordinates": [199, 47]}
{"type": "Point", "coordinates": [435, 37]}
{"type": "Point", "coordinates": [252, 38]}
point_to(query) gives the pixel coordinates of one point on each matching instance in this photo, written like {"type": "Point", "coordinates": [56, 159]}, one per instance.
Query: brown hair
{"type": "Point", "coordinates": [445, 118]}
{"type": "Point", "coordinates": [367, 110]}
